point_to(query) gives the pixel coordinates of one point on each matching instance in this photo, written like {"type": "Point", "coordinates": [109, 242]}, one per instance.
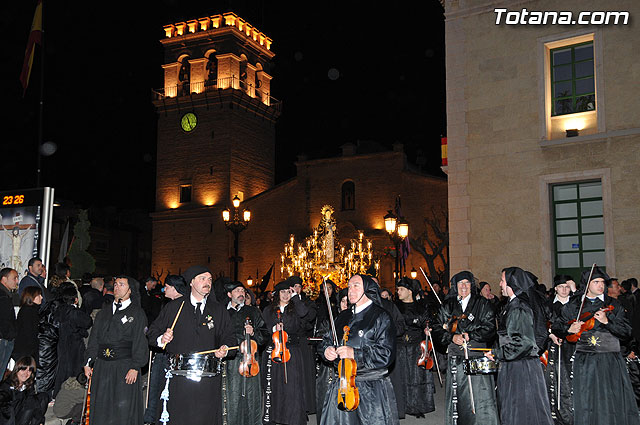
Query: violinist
{"type": "Point", "coordinates": [417, 383]}
{"type": "Point", "coordinates": [602, 392]}
{"type": "Point", "coordinates": [466, 317]}
{"type": "Point", "coordinates": [283, 381]}
{"type": "Point", "coordinates": [243, 409]}
{"type": "Point", "coordinates": [372, 344]}
{"type": "Point", "coordinates": [560, 352]}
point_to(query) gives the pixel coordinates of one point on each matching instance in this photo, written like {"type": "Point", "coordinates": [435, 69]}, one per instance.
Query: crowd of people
{"type": "Point", "coordinates": [179, 352]}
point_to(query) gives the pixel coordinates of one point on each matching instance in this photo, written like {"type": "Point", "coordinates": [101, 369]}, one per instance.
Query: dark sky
{"type": "Point", "coordinates": [102, 59]}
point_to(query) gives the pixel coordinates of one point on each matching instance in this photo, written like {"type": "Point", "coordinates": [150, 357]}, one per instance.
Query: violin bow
{"type": "Point", "coordinates": [430, 285]}
{"type": "Point", "coordinates": [435, 358]}
{"type": "Point", "coordinates": [584, 294]}
{"type": "Point", "coordinates": [466, 356]}
{"type": "Point", "coordinates": [333, 325]}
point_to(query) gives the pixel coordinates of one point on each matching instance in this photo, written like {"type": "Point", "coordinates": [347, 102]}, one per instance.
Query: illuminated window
{"type": "Point", "coordinates": [573, 79]}
{"type": "Point", "coordinates": [578, 227]}
{"type": "Point", "coordinates": [185, 193]}
{"type": "Point", "coordinates": [348, 196]}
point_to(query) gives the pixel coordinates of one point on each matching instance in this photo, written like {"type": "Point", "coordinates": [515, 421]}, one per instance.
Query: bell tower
{"type": "Point", "coordinates": [216, 135]}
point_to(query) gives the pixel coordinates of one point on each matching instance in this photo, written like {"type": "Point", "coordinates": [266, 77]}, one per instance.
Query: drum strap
{"type": "Point", "coordinates": [267, 393]}
{"type": "Point", "coordinates": [454, 388]}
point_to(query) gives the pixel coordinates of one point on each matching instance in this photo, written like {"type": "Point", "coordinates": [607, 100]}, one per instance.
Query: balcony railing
{"type": "Point", "coordinates": [186, 88]}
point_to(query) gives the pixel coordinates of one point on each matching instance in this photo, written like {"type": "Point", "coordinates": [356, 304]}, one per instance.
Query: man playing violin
{"type": "Point", "coordinates": [200, 323]}
{"type": "Point", "coordinates": [243, 395]}
{"type": "Point", "coordinates": [417, 382]}
{"type": "Point", "coordinates": [283, 380]}
{"type": "Point", "coordinates": [602, 391]}
{"type": "Point", "coordinates": [466, 318]}
{"type": "Point", "coordinates": [372, 344]}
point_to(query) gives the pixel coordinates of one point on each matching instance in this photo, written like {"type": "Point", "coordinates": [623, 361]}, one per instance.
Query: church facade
{"type": "Point", "coordinates": [216, 141]}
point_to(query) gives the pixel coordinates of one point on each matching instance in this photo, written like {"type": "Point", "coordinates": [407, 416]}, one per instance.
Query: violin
{"type": "Point", "coordinates": [85, 419]}
{"type": "Point", "coordinates": [249, 365]}
{"type": "Point", "coordinates": [452, 325]}
{"type": "Point", "coordinates": [425, 361]}
{"type": "Point", "coordinates": [348, 395]}
{"type": "Point", "coordinates": [589, 322]}
{"type": "Point", "coordinates": [280, 353]}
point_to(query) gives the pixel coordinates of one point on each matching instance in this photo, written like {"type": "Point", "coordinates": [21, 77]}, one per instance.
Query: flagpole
{"type": "Point", "coordinates": [41, 104]}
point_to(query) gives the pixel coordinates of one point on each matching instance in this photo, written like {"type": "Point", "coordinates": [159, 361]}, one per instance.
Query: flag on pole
{"type": "Point", "coordinates": [64, 243]}
{"type": "Point", "coordinates": [35, 37]}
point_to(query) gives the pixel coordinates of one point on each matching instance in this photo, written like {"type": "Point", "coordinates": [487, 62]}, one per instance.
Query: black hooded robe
{"type": "Point", "coordinates": [373, 338]}
{"type": "Point", "coordinates": [480, 325]}
{"type": "Point", "coordinates": [602, 389]}
{"type": "Point", "coordinates": [247, 409]}
{"type": "Point", "coordinates": [113, 401]}
{"type": "Point", "coordinates": [191, 402]}
{"type": "Point", "coordinates": [419, 387]}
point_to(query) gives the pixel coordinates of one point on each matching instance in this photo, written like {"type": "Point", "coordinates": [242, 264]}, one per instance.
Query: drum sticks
{"type": "Point", "coordinates": [174, 321]}
{"type": "Point", "coordinates": [217, 349]}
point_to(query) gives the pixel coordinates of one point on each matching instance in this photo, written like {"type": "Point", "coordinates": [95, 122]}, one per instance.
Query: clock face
{"type": "Point", "coordinates": [189, 121]}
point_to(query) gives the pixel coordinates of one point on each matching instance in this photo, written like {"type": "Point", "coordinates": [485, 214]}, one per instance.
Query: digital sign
{"type": "Point", "coordinates": [26, 216]}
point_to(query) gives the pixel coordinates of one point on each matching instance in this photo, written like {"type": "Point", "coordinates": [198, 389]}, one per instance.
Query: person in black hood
{"type": "Point", "coordinates": [475, 326]}
{"type": "Point", "coordinates": [118, 348]}
{"type": "Point", "coordinates": [602, 389]}
{"type": "Point", "coordinates": [522, 393]}
{"type": "Point", "coordinates": [417, 388]}
{"type": "Point", "coordinates": [372, 344]}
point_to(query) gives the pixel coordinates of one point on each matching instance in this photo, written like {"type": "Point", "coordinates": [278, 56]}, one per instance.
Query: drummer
{"type": "Point", "coordinates": [201, 324]}
{"type": "Point", "coordinates": [475, 327]}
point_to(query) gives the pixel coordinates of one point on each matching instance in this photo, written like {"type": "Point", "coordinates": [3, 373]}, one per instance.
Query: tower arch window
{"type": "Point", "coordinates": [184, 76]}
{"type": "Point", "coordinates": [348, 196]}
{"type": "Point", "coordinates": [212, 71]}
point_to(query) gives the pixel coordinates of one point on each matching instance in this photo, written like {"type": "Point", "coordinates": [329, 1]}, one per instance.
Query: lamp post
{"type": "Point", "coordinates": [398, 230]}
{"type": "Point", "coordinates": [236, 225]}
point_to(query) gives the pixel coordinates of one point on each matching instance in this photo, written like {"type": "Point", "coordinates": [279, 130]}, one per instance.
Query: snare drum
{"type": "Point", "coordinates": [195, 366]}
{"type": "Point", "coordinates": [480, 366]}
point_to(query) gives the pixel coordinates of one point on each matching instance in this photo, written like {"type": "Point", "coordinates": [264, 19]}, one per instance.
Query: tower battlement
{"type": "Point", "coordinates": [204, 27]}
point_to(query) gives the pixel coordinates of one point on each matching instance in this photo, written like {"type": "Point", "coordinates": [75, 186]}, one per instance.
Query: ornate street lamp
{"type": "Point", "coordinates": [236, 224]}
{"type": "Point", "coordinates": [398, 230]}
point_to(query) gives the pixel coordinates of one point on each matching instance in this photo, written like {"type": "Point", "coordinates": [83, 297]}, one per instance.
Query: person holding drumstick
{"type": "Point", "coordinates": [187, 325]}
{"type": "Point", "coordinates": [466, 318]}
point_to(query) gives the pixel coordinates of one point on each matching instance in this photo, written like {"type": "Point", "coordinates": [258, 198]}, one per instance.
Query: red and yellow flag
{"type": "Point", "coordinates": [34, 37]}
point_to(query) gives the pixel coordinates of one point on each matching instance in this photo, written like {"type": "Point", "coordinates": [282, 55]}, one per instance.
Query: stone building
{"type": "Point", "coordinates": [216, 140]}
{"type": "Point", "coordinates": [543, 136]}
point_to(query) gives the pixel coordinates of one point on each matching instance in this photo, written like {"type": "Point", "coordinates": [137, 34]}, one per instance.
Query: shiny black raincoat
{"type": "Point", "coordinates": [373, 338]}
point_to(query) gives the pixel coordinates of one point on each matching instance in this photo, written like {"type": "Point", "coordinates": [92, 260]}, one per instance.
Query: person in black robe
{"type": "Point", "coordinates": [284, 403]}
{"type": "Point", "coordinates": [372, 344]}
{"type": "Point", "coordinates": [327, 371]}
{"type": "Point", "coordinates": [475, 325]}
{"type": "Point", "coordinates": [418, 385]}
{"type": "Point", "coordinates": [174, 288]}
{"type": "Point", "coordinates": [74, 326]}
{"type": "Point", "coordinates": [26, 342]}
{"type": "Point", "coordinates": [203, 324]}
{"type": "Point", "coordinates": [243, 399]}
{"type": "Point", "coordinates": [118, 350]}
{"type": "Point", "coordinates": [522, 394]}
{"type": "Point", "coordinates": [602, 389]}
{"type": "Point", "coordinates": [559, 356]}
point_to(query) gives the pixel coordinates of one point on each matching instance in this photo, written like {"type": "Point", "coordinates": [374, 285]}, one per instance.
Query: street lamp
{"type": "Point", "coordinates": [414, 273]}
{"type": "Point", "coordinates": [236, 224]}
{"type": "Point", "coordinates": [249, 281]}
{"type": "Point", "coordinates": [398, 230]}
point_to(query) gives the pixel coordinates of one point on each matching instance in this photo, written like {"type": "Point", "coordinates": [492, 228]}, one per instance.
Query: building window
{"type": "Point", "coordinates": [348, 196]}
{"type": "Point", "coordinates": [185, 193]}
{"type": "Point", "coordinates": [578, 227]}
{"type": "Point", "coordinates": [573, 79]}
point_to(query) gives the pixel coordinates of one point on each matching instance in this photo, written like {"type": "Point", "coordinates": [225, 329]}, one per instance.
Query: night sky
{"type": "Point", "coordinates": [102, 59]}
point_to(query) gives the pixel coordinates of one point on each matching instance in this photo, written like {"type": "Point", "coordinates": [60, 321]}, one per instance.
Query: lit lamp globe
{"type": "Point", "coordinates": [414, 273]}
{"type": "Point", "coordinates": [226, 215]}
{"type": "Point", "coordinates": [403, 229]}
{"type": "Point", "coordinates": [249, 281]}
{"type": "Point", "coordinates": [246, 215]}
{"type": "Point", "coordinates": [390, 222]}
{"type": "Point", "coordinates": [236, 201]}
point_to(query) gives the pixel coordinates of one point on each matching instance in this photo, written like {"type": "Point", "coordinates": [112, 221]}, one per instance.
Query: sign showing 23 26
{"type": "Point", "coordinates": [13, 200]}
